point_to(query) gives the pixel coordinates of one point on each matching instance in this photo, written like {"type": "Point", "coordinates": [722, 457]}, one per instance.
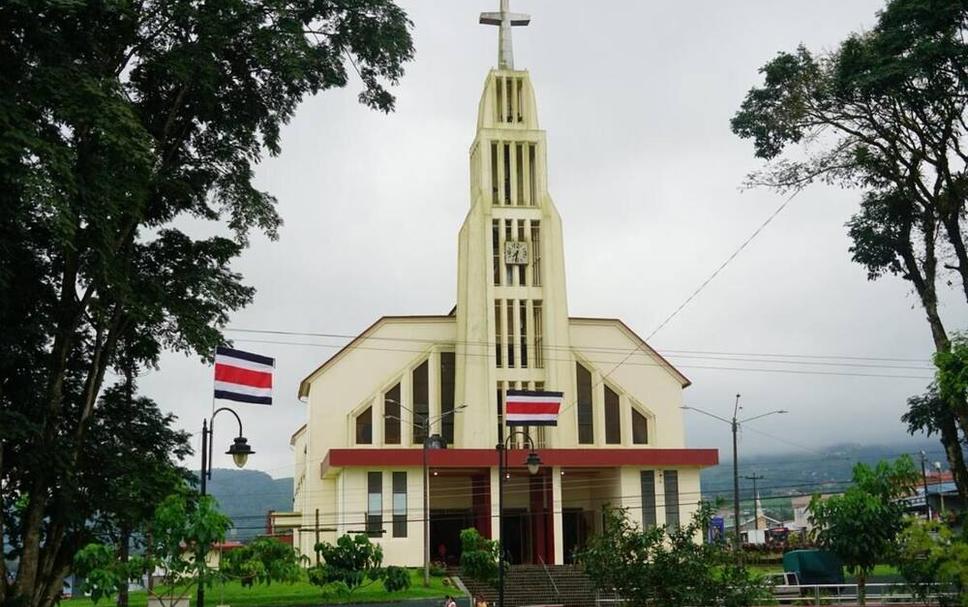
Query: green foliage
{"type": "Point", "coordinates": [183, 531]}
{"type": "Point", "coordinates": [928, 553]}
{"type": "Point", "coordinates": [396, 579]}
{"type": "Point", "coordinates": [668, 567]}
{"type": "Point", "coordinates": [884, 113]}
{"type": "Point", "coordinates": [438, 569]}
{"type": "Point", "coordinates": [351, 561]}
{"type": "Point", "coordinates": [124, 124]}
{"type": "Point", "coordinates": [264, 560]}
{"type": "Point", "coordinates": [479, 557]}
{"type": "Point", "coordinates": [861, 525]}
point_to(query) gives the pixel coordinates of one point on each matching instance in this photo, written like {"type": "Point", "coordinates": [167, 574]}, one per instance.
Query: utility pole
{"type": "Point", "coordinates": [924, 480]}
{"type": "Point", "coordinates": [735, 425]}
{"type": "Point", "coordinates": [756, 497]}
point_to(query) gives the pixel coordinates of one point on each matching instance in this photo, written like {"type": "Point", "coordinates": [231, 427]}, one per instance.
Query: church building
{"type": "Point", "coordinates": [417, 403]}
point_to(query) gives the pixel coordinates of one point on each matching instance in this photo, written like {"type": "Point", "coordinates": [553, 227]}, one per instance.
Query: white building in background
{"type": "Point", "coordinates": [619, 438]}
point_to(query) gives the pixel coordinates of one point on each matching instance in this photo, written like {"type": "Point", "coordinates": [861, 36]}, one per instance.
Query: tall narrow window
{"type": "Point", "coordinates": [498, 93]}
{"type": "Point", "coordinates": [532, 175]}
{"type": "Point", "coordinates": [586, 424]}
{"type": "Point", "coordinates": [538, 328]}
{"type": "Point", "coordinates": [500, 412]}
{"type": "Point", "coordinates": [519, 167]}
{"type": "Point", "coordinates": [507, 172]}
{"type": "Point", "coordinates": [523, 320]}
{"type": "Point", "coordinates": [498, 335]}
{"type": "Point", "coordinates": [374, 504]}
{"type": "Point", "coordinates": [495, 199]}
{"type": "Point", "coordinates": [399, 504]}
{"type": "Point", "coordinates": [496, 246]}
{"type": "Point", "coordinates": [509, 330]}
{"type": "Point", "coordinates": [421, 403]}
{"type": "Point", "coordinates": [535, 254]}
{"type": "Point", "coordinates": [648, 498]}
{"type": "Point", "coordinates": [522, 268]}
{"type": "Point", "coordinates": [391, 416]}
{"type": "Point", "coordinates": [509, 99]}
{"type": "Point", "coordinates": [364, 427]}
{"type": "Point", "coordinates": [613, 418]}
{"type": "Point", "coordinates": [447, 374]}
{"type": "Point", "coordinates": [519, 89]}
{"type": "Point", "coordinates": [670, 479]}
{"type": "Point", "coordinates": [640, 428]}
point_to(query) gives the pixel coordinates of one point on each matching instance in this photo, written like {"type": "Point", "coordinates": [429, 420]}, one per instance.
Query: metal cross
{"type": "Point", "coordinates": [505, 20]}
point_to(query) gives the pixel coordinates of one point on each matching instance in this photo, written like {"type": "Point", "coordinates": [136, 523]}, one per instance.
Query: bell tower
{"type": "Point", "coordinates": [512, 313]}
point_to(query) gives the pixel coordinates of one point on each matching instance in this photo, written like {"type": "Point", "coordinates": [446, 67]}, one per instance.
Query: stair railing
{"type": "Point", "coordinates": [550, 579]}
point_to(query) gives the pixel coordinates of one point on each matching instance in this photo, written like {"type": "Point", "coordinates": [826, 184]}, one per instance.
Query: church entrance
{"type": "Point", "coordinates": [516, 533]}
{"type": "Point", "coordinates": [445, 528]}
{"type": "Point", "coordinates": [575, 526]}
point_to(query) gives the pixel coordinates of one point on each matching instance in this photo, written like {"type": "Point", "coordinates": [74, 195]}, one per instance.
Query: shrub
{"type": "Point", "coordinates": [479, 556]}
{"type": "Point", "coordinates": [396, 579]}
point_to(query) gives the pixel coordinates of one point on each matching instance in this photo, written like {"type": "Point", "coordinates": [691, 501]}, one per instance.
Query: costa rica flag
{"type": "Point", "coordinates": [243, 376]}
{"type": "Point", "coordinates": [532, 408]}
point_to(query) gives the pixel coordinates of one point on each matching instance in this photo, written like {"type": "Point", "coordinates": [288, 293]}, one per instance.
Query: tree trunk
{"type": "Point", "coordinates": [862, 587]}
{"type": "Point", "coordinates": [123, 552]}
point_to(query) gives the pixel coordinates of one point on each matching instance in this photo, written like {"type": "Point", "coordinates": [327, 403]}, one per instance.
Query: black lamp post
{"type": "Point", "coordinates": [240, 452]}
{"type": "Point", "coordinates": [533, 462]}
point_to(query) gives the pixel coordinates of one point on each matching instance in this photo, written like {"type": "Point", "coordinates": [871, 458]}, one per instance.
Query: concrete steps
{"type": "Point", "coordinates": [534, 585]}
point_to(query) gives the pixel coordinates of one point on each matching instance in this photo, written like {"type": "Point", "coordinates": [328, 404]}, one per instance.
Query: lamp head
{"type": "Point", "coordinates": [240, 451]}
{"type": "Point", "coordinates": [533, 462]}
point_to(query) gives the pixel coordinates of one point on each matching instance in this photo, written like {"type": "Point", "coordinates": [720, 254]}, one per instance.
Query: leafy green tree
{"type": "Point", "coordinates": [264, 560]}
{"type": "Point", "coordinates": [929, 554]}
{"type": "Point", "coordinates": [353, 562]}
{"type": "Point", "coordinates": [884, 113]}
{"type": "Point", "coordinates": [668, 566]}
{"type": "Point", "coordinates": [185, 529]}
{"type": "Point", "coordinates": [861, 526]}
{"type": "Point", "coordinates": [124, 122]}
{"type": "Point", "coordinates": [480, 557]}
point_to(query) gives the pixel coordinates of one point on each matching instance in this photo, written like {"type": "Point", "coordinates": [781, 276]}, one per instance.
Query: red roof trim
{"type": "Point", "coordinates": [485, 458]}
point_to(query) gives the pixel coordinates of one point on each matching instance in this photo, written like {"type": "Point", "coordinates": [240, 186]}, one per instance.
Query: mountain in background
{"type": "Point", "coordinates": [247, 496]}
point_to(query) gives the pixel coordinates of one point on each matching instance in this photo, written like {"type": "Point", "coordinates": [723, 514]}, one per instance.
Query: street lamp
{"type": "Point", "coordinates": [735, 424]}
{"type": "Point", "coordinates": [533, 462]}
{"type": "Point", "coordinates": [240, 450]}
{"type": "Point", "coordinates": [429, 442]}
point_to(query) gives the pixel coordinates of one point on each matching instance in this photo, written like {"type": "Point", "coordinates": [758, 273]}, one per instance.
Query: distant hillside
{"type": "Point", "coordinates": [246, 496]}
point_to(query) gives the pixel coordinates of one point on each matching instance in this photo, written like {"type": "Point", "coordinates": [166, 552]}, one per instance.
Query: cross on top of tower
{"type": "Point", "coordinates": [505, 19]}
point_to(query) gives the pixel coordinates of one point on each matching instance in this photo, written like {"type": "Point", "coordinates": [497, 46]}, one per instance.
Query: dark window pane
{"type": "Point", "coordinates": [374, 504]}
{"type": "Point", "coordinates": [364, 427]}
{"type": "Point", "coordinates": [613, 418]}
{"type": "Point", "coordinates": [421, 403]}
{"type": "Point", "coordinates": [447, 374]}
{"type": "Point", "coordinates": [399, 504]}
{"type": "Point", "coordinates": [648, 498]}
{"type": "Point", "coordinates": [586, 425]}
{"type": "Point", "coordinates": [391, 416]}
{"type": "Point", "coordinates": [640, 428]}
{"type": "Point", "coordinates": [671, 480]}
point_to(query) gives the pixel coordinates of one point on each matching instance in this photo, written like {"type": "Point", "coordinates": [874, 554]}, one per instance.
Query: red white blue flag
{"type": "Point", "coordinates": [243, 377]}
{"type": "Point", "coordinates": [532, 408]}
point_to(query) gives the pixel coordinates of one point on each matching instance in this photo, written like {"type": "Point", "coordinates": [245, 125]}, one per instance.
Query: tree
{"type": "Point", "coordinates": [125, 122]}
{"type": "Point", "coordinates": [480, 558]}
{"type": "Point", "coordinates": [929, 554]}
{"type": "Point", "coordinates": [884, 114]}
{"type": "Point", "coordinates": [353, 560]}
{"type": "Point", "coordinates": [861, 525]}
{"type": "Point", "coordinates": [667, 566]}
{"type": "Point", "coordinates": [263, 560]}
{"type": "Point", "coordinates": [185, 529]}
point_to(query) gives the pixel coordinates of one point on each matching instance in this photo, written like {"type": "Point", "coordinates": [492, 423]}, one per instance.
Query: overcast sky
{"type": "Point", "coordinates": [636, 99]}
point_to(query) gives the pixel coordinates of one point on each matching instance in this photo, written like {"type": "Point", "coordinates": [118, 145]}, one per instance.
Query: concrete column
{"type": "Point", "coordinates": [556, 505]}
{"type": "Point", "coordinates": [598, 407]}
{"type": "Point", "coordinates": [495, 515]}
{"type": "Point", "coordinates": [625, 413]}
{"type": "Point", "coordinates": [526, 169]}
{"type": "Point", "coordinates": [433, 389]}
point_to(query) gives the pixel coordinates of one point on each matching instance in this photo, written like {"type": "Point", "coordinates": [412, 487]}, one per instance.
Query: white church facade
{"type": "Point", "coordinates": [619, 438]}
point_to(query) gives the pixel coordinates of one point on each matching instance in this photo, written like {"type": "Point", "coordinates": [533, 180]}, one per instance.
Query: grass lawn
{"type": "Point", "coordinates": [881, 572]}
{"type": "Point", "coordinates": [300, 593]}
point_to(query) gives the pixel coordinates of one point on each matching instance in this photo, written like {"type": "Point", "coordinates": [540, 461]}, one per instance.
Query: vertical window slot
{"type": "Point", "coordinates": [537, 327]}
{"type": "Point", "coordinates": [374, 504]}
{"type": "Point", "coordinates": [586, 418]}
{"type": "Point", "coordinates": [496, 254]}
{"type": "Point", "coordinates": [495, 194]}
{"type": "Point", "coordinates": [498, 335]}
{"type": "Point", "coordinates": [613, 418]}
{"type": "Point", "coordinates": [523, 320]}
{"type": "Point", "coordinates": [420, 402]}
{"type": "Point", "coordinates": [535, 254]}
{"type": "Point", "coordinates": [399, 504]}
{"type": "Point", "coordinates": [509, 330]}
{"type": "Point", "coordinates": [391, 416]}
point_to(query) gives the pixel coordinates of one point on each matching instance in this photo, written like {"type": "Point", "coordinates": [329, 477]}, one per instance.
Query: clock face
{"type": "Point", "coordinates": [515, 252]}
